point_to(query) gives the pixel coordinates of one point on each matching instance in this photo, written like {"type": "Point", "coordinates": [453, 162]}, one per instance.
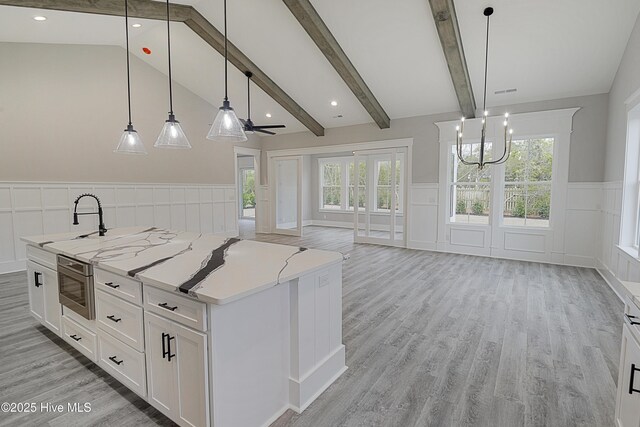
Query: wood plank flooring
{"type": "Point", "coordinates": [432, 340]}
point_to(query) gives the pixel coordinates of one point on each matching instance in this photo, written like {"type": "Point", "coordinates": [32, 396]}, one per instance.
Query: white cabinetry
{"type": "Point", "coordinates": [177, 374]}
{"type": "Point", "coordinates": [43, 295]}
{"type": "Point", "coordinates": [628, 401]}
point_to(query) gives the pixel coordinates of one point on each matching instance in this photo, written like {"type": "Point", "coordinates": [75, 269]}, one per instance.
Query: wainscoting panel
{"type": "Point", "coordinates": [44, 208]}
{"type": "Point", "coordinates": [423, 216]}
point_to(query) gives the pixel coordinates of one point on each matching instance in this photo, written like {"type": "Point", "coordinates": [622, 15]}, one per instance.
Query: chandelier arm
{"type": "Point", "coordinates": [507, 152]}
{"type": "Point", "coordinates": [459, 153]}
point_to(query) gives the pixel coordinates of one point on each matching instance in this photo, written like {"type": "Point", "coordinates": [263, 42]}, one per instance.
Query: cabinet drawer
{"type": "Point", "coordinates": [79, 337]}
{"type": "Point", "coordinates": [183, 310]}
{"type": "Point", "coordinates": [121, 319]}
{"type": "Point", "coordinates": [123, 362]}
{"type": "Point", "coordinates": [42, 257]}
{"type": "Point", "coordinates": [122, 287]}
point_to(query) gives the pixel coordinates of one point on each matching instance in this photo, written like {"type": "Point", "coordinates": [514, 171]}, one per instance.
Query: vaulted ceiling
{"type": "Point", "coordinates": [545, 49]}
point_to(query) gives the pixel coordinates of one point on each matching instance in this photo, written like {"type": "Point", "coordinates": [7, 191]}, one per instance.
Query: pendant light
{"type": "Point", "coordinates": [226, 126]}
{"type": "Point", "coordinates": [171, 135]}
{"type": "Point", "coordinates": [508, 133]}
{"type": "Point", "coordinates": [130, 141]}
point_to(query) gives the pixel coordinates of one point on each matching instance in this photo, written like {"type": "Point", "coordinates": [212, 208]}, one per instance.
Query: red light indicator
{"type": "Point", "coordinates": [146, 50]}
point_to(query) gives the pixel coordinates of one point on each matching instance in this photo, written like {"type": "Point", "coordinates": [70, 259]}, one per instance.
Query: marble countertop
{"type": "Point", "coordinates": [211, 268]}
{"type": "Point", "coordinates": [633, 288]}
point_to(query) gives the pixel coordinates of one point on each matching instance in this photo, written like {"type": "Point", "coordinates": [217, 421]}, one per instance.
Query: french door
{"type": "Point", "coordinates": [286, 184]}
{"type": "Point", "coordinates": [377, 191]}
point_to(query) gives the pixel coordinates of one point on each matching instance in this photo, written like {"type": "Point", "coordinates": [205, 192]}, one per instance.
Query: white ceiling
{"type": "Point", "coordinates": [546, 49]}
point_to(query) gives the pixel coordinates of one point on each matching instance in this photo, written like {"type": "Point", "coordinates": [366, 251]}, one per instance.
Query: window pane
{"type": "Point", "coordinates": [471, 173]}
{"type": "Point", "coordinates": [538, 205]}
{"type": "Point", "coordinates": [540, 158]}
{"type": "Point", "coordinates": [384, 172]}
{"type": "Point", "coordinates": [331, 174]}
{"type": "Point", "coordinates": [383, 198]}
{"type": "Point", "coordinates": [248, 189]}
{"type": "Point", "coordinates": [471, 204]}
{"type": "Point", "coordinates": [331, 197]}
{"type": "Point", "coordinates": [514, 205]}
{"type": "Point", "coordinates": [527, 202]}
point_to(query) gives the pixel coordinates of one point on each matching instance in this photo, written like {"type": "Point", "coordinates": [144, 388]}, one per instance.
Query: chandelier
{"type": "Point", "coordinates": [508, 133]}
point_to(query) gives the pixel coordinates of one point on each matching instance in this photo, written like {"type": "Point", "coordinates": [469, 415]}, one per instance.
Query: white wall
{"type": "Point", "coordinates": [615, 263]}
{"type": "Point", "coordinates": [28, 209]}
{"type": "Point", "coordinates": [63, 109]}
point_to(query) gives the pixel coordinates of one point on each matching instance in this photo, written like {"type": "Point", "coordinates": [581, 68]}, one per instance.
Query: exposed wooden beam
{"type": "Point", "coordinates": [215, 39]}
{"type": "Point", "coordinates": [313, 24]}
{"type": "Point", "coordinates": [148, 9]}
{"type": "Point", "coordinates": [444, 14]}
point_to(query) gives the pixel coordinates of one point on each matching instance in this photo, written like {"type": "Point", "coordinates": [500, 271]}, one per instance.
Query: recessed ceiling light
{"type": "Point", "coordinates": [40, 18]}
{"type": "Point", "coordinates": [334, 103]}
{"type": "Point", "coordinates": [268, 115]}
{"type": "Point", "coordinates": [137, 25]}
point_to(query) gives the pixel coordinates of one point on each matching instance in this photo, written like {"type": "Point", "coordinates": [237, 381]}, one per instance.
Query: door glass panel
{"type": "Point", "coordinates": [286, 194]}
{"type": "Point", "coordinates": [381, 181]}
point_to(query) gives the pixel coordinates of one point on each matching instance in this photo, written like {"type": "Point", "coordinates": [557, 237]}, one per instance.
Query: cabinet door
{"type": "Point", "coordinates": [628, 405]}
{"type": "Point", "coordinates": [161, 372]}
{"type": "Point", "coordinates": [193, 379]}
{"type": "Point", "coordinates": [36, 290]}
{"type": "Point", "coordinates": [52, 307]}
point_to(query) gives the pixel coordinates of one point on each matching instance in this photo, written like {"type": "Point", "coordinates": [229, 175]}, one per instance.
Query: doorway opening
{"type": "Point", "coordinates": [247, 167]}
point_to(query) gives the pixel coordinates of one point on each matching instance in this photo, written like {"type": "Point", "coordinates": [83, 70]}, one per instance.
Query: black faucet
{"type": "Point", "coordinates": [101, 228]}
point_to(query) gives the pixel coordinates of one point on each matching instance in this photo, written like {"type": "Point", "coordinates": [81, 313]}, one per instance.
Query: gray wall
{"type": "Point", "coordinates": [63, 109]}
{"type": "Point", "coordinates": [586, 162]}
{"type": "Point", "coordinates": [626, 82]}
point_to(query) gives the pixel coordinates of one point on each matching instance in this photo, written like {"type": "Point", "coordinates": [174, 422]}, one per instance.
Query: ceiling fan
{"type": "Point", "coordinates": [249, 127]}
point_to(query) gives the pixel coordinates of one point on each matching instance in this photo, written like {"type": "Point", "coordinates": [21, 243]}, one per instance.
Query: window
{"type": "Point", "coordinates": [470, 187]}
{"type": "Point", "coordinates": [331, 184]}
{"type": "Point", "coordinates": [527, 183]}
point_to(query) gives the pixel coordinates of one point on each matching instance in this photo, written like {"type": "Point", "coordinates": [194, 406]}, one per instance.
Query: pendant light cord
{"type": "Point", "coordinates": [126, 30]}
{"type": "Point", "coordinates": [486, 67]}
{"type": "Point", "coordinates": [248, 98]}
{"type": "Point", "coordinates": [226, 98]}
{"type": "Point", "coordinates": [169, 56]}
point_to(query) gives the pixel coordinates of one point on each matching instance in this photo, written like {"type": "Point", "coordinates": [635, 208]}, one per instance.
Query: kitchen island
{"type": "Point", "coordinates": [209, 330]}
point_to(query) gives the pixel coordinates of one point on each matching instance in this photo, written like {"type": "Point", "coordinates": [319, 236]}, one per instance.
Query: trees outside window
{"type": "Point", "coordinates": [527, 183]}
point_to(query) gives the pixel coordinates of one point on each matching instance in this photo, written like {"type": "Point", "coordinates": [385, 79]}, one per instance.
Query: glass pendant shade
{"type": "Point", "coordinates": [130, 142]}
{"type": "Point", "coordinates": [171, 135]}
{"type": "Point", "coordinates": [226, 126]}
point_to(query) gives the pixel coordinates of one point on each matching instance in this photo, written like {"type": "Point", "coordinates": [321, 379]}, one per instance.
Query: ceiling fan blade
{"type": "Point", "coordinates": [264, 131]}
{"type": "Point", "coordinates": [269, 126]}
{"type": "Point", "coordinates": [243, 121]}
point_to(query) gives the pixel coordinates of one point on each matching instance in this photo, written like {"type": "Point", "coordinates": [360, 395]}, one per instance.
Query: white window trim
{"type": "Point", "coordinates": [552, 123]}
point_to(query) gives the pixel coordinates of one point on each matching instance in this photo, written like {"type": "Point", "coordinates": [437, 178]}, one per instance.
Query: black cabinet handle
{"type": "Point", "coordinates": [164, 345]}
{"type": "Point", "coordinates": [114, 360]}
{"type": "Point", "coordinates": [75, 337]}
{"type": "Point", "coordinates": [169, 355]}
{"type": "Point", "coordinates": [633, 373]}
{"type": "Point", "coordinates": [632, 319]}
{"type": "Point", "coordinates": [36, 276]}
{"type": "Point", "coordinates": [165, 305]}
{"type": "Point", "coordinates": [111, 285]}
{"type": "Point", "coordinates": [112, 317]}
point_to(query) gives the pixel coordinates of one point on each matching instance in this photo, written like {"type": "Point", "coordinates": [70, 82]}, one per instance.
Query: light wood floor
{"type": "Point", "coordinates": [432, 339]}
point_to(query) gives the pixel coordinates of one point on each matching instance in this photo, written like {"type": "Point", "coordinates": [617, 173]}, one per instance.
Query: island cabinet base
{"type": "Point", "coordinates": [276, 350]}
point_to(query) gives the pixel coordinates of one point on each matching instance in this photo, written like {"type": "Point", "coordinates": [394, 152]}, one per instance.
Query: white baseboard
{"type": "Point", "coordinates": [426, 246]}
{"type": "Point", "coordinates": [611, 280]}
{"type": "Point", "coordinates": [305, 391]}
